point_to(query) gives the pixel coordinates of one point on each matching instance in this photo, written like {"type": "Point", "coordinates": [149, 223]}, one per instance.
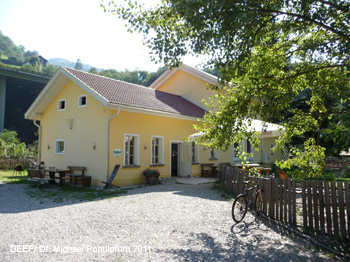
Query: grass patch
{"type": "Point", "coordinates": [8, 177]}
{"type": "Point", "coordinates": [75, 194]}
{"type": "Point", "coordinates": [60, 194]}
{"type": "Point", "coordinates": [221, 187]}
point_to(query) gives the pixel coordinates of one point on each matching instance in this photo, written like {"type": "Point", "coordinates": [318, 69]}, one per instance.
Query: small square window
{"type": "Point", "coordinates": [60, 147]}
{"type": "Point", "coordinates": [213, 154]}
{"type": "Point", "coordinates": [82, 101]}
{"type": "Point", "coordinates": [61, 104]}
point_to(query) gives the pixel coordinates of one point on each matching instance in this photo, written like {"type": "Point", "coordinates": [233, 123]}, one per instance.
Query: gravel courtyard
{"type": "Point", "coordinates": [167, 222]}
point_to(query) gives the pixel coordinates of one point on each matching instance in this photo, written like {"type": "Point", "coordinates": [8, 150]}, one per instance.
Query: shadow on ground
{"type": "Point", "coordinates": [248, 242]}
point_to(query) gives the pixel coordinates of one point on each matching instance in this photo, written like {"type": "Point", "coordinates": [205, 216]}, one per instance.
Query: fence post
{"type": "Point", "coordinates": [321, 202]}
{"type": "Point", "coordinates": [341, 209]}
{"type": "Point", "coordinates": [271, 198]}
{"type": "Point", "coordinates": [303, 192]}
{"type": "Point", "coordinates": [335, 211]}
{"type": "Point", "coordinates": [347, 202]}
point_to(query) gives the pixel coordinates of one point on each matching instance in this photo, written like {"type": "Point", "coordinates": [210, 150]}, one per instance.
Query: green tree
{"type": "Point", "coordinates": [8, 136]}
{"type": "Point", "coordinates": [268, 53]}
{"type": "Point", "coordinates": [78, 65]}
{"type": "Point", "coordinates": [93, 70]}
{"type": "Point", "coordinates": [49, 69]}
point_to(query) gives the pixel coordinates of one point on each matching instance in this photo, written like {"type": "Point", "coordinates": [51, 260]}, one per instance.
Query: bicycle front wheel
{"type": "Point", "coordinates": [239, 208]}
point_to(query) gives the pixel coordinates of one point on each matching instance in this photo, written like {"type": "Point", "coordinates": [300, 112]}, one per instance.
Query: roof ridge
{"type": "Point", "coordinates": [113, 79]}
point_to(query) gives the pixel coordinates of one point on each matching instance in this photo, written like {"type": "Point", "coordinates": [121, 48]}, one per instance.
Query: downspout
{"type": "Point", "coordinates": [107, 140]}
{"type": "Point", "coordinates": [39, 141]}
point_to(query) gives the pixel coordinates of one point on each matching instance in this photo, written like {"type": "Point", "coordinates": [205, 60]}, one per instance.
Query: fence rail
{"type": "Point", "coordinates": [11, 163]}
{"type": "Point", "coordinates": [320, 207]}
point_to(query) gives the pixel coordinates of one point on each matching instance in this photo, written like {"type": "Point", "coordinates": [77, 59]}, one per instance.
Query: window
{"type": "Point", "coordinates": [213, 154]}
{"type": "Point", "coordinates": [249, 147]}
{"type": "Point", "coordinates": [157, 150]}
{"type": "Point", "coordinates": [61, 104]}
{"type": "Point", "coordinates": [195, 153]}
{"type": "Point", "coordinates": [271, 149]}
{"type": "Point", "coordinates": [236, 148]}
{"type": "Point", "coordinates": [82, 101]}
{"type": "Point", "coordinates": [131, 149]}
{"type": "Point", "coordinates": [60, 147]}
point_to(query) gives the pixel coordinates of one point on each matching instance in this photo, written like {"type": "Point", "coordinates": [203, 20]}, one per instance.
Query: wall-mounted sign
{"type": "Point", "coordinates": [117, 152]}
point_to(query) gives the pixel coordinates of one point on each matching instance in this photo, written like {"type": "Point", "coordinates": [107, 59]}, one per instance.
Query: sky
{"type": "Point", "coordinates": [73, 29]}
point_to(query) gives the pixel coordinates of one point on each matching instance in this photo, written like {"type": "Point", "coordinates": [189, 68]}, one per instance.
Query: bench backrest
{"type": "Point", "coordinates": [76, 168]}
{"type": "Point", "coordinates": [36, 173]}
{"type": "Point", "coordinates": [81, 168]}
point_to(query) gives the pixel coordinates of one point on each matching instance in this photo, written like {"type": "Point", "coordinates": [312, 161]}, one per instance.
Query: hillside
{"type": "Point", "coordinates": [64, 62]}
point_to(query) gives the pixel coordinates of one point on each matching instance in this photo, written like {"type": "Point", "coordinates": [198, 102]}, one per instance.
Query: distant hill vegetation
{"type": "Point", "coordinates": [16, 57]}
{"type": "Point", "coordinates": [64, 62]}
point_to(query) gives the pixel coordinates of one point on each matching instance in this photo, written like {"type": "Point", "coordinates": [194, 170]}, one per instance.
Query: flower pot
{"type": "Point", "coordinates": [152, 179]}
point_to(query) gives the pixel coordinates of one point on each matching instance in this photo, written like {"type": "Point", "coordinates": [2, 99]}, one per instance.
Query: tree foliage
{"type": "Point", "coordinates": [139, 77]}
{"type": "Point", "coordinates": [268, 53]}
{"type": "Point", "coordinates": [78, 65]}
{"type": "Point", "coordinates": [10, 145]}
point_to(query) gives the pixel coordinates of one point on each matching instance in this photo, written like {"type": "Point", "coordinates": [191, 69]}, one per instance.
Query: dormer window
{"type": "Point", "coordinates": [82, 101]}
{"type": "Point", "coordinates": [61, 104]}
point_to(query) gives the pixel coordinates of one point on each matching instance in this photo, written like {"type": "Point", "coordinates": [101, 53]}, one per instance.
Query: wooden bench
{"type": "Point", "coordinates": [75, 176]}
{"type": "Point", "coordinates": [206, 169]}
{"type": "Point", "coordinates": [38, 176]}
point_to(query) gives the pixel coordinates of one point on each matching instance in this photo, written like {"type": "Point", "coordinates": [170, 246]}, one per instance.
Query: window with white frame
{"type": "Point", "coordinates": [249, 148]}
{"type": "Point", "coordinates": [61, 104]}
{"type": "Point", "coordinates": [60, 146]}
{"type": "Point", "coordinates": [236, 148]}
{"type": "Point", "coordinates": [213, 154]}
{"type": "Point", "coordinates": [271, 149]}
{"type": "Point", "coordinates": [157, 150]}
{"type": "Point", "coordinates": [131, 149]}
{"type": "Point", "coordinates": [195, 153]}
{"type": "Point", "coordinates": [82, 101]}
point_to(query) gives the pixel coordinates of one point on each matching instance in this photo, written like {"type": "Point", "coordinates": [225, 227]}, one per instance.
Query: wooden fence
{"type": "Point", "coordinates": [320, 207]}
{"type": "Point", "coordinates": [11, 163]}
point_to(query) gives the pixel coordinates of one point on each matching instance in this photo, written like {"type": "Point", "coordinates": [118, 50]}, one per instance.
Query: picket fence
{"type": "Point", "coordinates": [322, 208]}
{"type": "Point", "coordinates": [11, 163]}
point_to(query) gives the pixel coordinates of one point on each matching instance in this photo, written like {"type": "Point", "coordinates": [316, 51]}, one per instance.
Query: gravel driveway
{"type": "Point", "coordinates": [168, 222]}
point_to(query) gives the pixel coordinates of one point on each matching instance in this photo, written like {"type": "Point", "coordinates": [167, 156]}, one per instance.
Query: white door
{"type": "Point", "coordinates": [185, 163]}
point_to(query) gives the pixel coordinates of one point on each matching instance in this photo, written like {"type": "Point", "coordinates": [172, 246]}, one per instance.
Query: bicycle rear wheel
{"type": "Point", "coordinates": [258, 203]}
{"type": "Point", "coordinates": [239, 208]}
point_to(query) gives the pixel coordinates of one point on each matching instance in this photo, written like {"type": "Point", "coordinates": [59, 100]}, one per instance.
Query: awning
{"type": "Point", "coordinates": [264, 128]}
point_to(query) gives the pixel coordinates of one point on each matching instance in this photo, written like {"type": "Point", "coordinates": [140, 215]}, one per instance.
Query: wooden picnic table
{"type": "Point", "coordinates": [212, 167]}
{"type": "Point", "coordinates": [249, 166]}
{"type": "Point", "coordinates": [60, 172]}
{"type": "Point", "coordinates": [266, 169]}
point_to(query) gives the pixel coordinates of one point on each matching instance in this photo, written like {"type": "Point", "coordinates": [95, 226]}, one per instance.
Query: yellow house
{"type": "Point", "coordinates": [98, 122]}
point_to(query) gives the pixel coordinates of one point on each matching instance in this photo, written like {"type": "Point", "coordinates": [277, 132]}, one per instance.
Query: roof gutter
{"type": "Point", "coordinates": [107, 141]}
{"type": "Point", "coordinates": [39, 141]}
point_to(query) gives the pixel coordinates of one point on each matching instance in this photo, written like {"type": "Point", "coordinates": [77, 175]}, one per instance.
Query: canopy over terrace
{"type": "Point", "coordinates": [264, 129]}
{"type": "Point", "coordinates": [267, 133]}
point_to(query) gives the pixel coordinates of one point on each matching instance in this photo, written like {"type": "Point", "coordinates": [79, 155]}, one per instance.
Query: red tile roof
{"type": "Point", "coordinates": [127, 94]}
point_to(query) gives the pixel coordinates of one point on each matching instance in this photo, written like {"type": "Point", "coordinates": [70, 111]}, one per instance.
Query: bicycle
{"type": "Point", "coordinates": [241, 203]}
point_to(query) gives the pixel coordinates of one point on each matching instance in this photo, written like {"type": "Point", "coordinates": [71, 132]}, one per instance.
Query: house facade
{"type": "Point", "coordinates": [98, 122]}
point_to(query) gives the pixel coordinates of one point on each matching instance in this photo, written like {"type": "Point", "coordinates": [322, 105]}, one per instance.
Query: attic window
{"type": "Point", "coordinates": [82, 101]}
{"type": "Point", "coordinates": [62, 104]}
